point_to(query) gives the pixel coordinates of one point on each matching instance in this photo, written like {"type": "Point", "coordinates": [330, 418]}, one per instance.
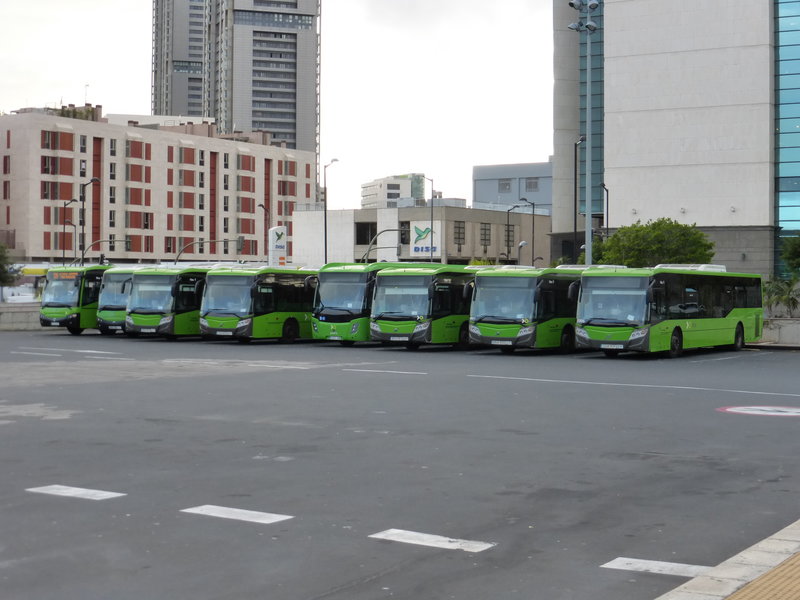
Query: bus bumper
{"type": "Point", "coordinates": [242, 330]}
{"type": "Point", "coordinates": [637, 341]}
{"type": "Point", "coordinates": [73, 320]}
{"type": "Point", "coordinates": [103, 324]}
{"type": "Point", "coordinates": [524, 338]}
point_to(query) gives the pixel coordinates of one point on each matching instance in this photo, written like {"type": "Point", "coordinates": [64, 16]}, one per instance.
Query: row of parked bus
{"type": "Point", "coordinates": [667, 308]}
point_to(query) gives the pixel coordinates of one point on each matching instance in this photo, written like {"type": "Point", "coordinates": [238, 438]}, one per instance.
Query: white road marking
{"type": "Point", "coordinates": [74, 492]}
{"type": "Point", "coordinates": [277, 366]}
{"type": "Point", "coordinates": [638, 385]}
{"type": "Point", "coordinates": [434, 541]}
{"type": "Point", "coordinates": [35, 353]}
{"type": "Point", "coordinates": [383, 371]}
{"type": "Point", "coordinates": [237, 514]}
{"type": "Point", "coordinates": [110, 358]}
{"type": "Point", "coordinates": [70, 350]}
{"type": "Point", "coordinates": [655, 566]}
{"type": "Point", "coordinates": [190, 361]}
{"type": "Point", "coordinates": [715, 359]}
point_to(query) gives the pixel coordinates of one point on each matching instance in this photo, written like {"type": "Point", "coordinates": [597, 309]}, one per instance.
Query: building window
{"type": "Point", "coordinates": [486, 234]}
{"type": "Point", "coordinates": [202, 178]}
{"type": "Point", "coordinates": [225, 182]}
{"type": "Point", "coordinates": [83, 167]}
{"type": "Point", "coordinates": [112, 218]}
{"type": "Point", "coordinates": [83, 143]}
{"type": "Point", "coordinates": [531, 184]}
{"type": "Point", "coordinates": [112, 242]}
{"type": "Point", "coordinates": [202, 158]}
{"type": "Point", "coordinates": [112, 147]}
{"type": "Point", "coordinates": [201, 223]}
{"type": "Point", "coordinates": [112, 195]}
{"type": "Point", "coordinates": [503, 186]}
{"type": "Point", "coordinates": [365, 232]}
{"type": "Point", "coordinates": [405, 232]}
{"type": "Point", "coordinates": [225, 203]}
{"type": "Point", "coordinates": [225, 163]}
{"type": "Point", "coordinates": [225, 225]}
{"type": "Point", "coordinates": [147, 220]}
{"type": "Point", "coordinates": [509, 236]}
{"type": "Point", "coordinates": [201, 202]}
{"type": "Point", "coordinates": [112, 170]}
{"type": "Point", "coordinates": [459, 232]}
{"type": "Point", "coordinates": [201, 248]}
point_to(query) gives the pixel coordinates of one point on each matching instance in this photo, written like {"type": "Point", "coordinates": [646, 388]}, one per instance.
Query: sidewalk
{"type": "Point", "coordinates": [768, 570]}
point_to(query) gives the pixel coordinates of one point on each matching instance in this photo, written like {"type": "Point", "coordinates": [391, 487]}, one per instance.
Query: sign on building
{"type": "Point", "coordinates": [425, 240]}
{"type": "Point", "coordinates": [277, 246]}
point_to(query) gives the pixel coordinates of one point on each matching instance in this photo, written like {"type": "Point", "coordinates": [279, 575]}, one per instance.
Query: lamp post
{"type": "Point", "coordinates": [521, 245]}
{"type": "Point", "coordinates": [575, 199]}
{"type": "Point", "coordinates": [64, 230]}
{"type": "Point", "coordinates": [83, 213]}
{"type": "Point", "coordinates": [605, 188]}
{"type": "Point", "coordinates": [74, 237]}
{"type": "Point", "coordinates": [433, 193]}
{"type": "Point", "coordinates": [266, 230]}
{"type": "Point", "coordinates": [589, 27]}
{"type": "Point", "coordinates": [508, 226]}
{"type": "Point", "coordinates": [533, 226]}
{"type": "Point", "coordinates": [325, 208]}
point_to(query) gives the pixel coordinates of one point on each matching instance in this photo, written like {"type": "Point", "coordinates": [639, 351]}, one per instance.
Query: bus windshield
{"type": "Point", "coordinates": [613, 301]}
{"type": "Point", "coordinates": [114, 295]}
{"type": "Point", "coordinates": [401, 297]}
{"type": "Point", "coordinates": [151, 294]}
{"type": "Point", "coordinates": [341, 293]}
{"type": "Point", "coordinates": [227, 295]}
{"type": "Point", "coordinates": [62, 289]}
{"type": "Point", "coordinates": [503, 299]}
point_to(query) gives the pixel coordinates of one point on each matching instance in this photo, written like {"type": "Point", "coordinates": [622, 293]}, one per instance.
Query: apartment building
{"type": "Point", "coordinates": [145, 193]}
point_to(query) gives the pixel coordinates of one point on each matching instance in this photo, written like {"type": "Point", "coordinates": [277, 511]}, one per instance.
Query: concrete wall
{"type": "Point", "coordinates": [782, 331]}
{"type": "Point", "coordinates": [19, 316]}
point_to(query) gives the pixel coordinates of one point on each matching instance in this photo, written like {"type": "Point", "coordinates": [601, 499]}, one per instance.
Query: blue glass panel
{"type": "Point", "coordinates": [788, 67]}
{"type": "Point", "coordinates": [787, 96]}
{"type": "Point", "coordinates": [788, 23]}
{"type": "Point", "coordinates": [788, 184]}
{"type": "Point", "coordinates": [788, 125]}
{"type": "Point", "coordinates": [786, 82]}
{"type": "Point", "coordinates": [789, 199]}
{"type": "Point", "coordinates": [786, 111]}
{"type": "Point", "coordinates": [787, 38]}
{"type": "Point", "coordinates": [785, 155]}
{"type": "Point", "coordinates": [791, 213]}
{"type": "Point", "coordinates": [787, 169]}
{"type": "Point", "coordinates": [786, 9]}
{"type": "Point", "coordinates": [788, 140]}
{"type": "Point", "coordinates": [787, 52]}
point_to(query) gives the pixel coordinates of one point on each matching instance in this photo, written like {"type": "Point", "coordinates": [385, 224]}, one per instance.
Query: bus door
{"type": "Point", "coordinates": [188, 294]}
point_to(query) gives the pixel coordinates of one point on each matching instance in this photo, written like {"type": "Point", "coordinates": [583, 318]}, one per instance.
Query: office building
{"type": "Point", "coordinates": [257, 64]}
{"type": "Point", "coordinates": [148, 193]}
{"type": "Point", "coordinates": [499, 187]}
{"type": "Point", "coordinates": [694, 117]}
{"type": "Point", "coordinates": [387, 191]}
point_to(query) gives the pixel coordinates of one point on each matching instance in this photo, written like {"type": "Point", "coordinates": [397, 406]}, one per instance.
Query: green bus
{"type": "Point", "coordinates": [114, 293]}
{"type": "Point", "coordinates": [422, 305]}
{"type": "Point", "coordinates": [257, 302]}
{"type": "Point", "coordinates": [165, 300]}
{"type": "Point", "coordinates": [667, 308]}
{"type": "Point", "coordinates": [524, 307]}
{"type": "Point", "coordinates": [343, 301]}
{"type": "Point", "coordinates": [70, 296]}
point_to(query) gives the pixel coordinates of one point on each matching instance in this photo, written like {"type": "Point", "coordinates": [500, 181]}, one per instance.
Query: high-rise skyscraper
{"type": "Point", "coordinates": [256, 62]}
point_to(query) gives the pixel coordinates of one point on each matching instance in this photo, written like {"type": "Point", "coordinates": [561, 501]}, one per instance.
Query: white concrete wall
{"type": "Point", "coordinates": [307, 246]}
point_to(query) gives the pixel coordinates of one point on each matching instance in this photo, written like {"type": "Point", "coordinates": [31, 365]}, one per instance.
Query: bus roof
{"type": "Point", "coordinates": [528, 271]}
{"type": "Point", "coordinates": [365, 267]}
{"type": "Point", "coordinates": [261, 269]}
{"type": "Point", "coordinates": [172, 269]}
{"type": "Point", "coordinates": [431, 269]}
{"type": "Point", "coordinates": [67, 269]}
{"type": "Point", "coordinates": [618, 271]}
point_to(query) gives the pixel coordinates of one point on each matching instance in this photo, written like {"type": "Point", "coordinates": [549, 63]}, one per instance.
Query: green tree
{"type": "Point", "coordinates": [782, 292]}
{"type": "Point", "coordinates": [660, 241]}
{"type": "Point", "coordinates": [6, 276]}
{"type": "Point", "coordinates": [790, 253]}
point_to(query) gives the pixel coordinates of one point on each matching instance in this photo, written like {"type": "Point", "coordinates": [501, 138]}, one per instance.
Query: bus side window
{"type": "Point", "coordinates": [91, 289]}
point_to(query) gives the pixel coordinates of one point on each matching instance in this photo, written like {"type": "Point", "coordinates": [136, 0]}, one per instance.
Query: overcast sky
{"type": "Point", "coordinates": [423, 86]}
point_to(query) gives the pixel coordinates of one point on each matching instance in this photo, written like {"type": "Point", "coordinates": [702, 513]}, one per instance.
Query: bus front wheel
{"type": "Point", "coordinates": [675, 344]}
{"type": "Point", "coordinates": [290, 332]}
{"type": "Point", "coordinates": [75, 330]}
{"type": "Point", "coordinates": [463, 338]}
{"type": "Point", "coordinates": [567, 344]}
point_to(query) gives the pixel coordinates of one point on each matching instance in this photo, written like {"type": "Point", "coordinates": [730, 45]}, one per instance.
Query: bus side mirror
{"type": "Point", "coordinates": [537, 292]}
{"type": "Point", "coordinates": [466, 293]}
{"type": "Point", "coordinates": [572, 291]}
{"type": "Point", "coordinates": [431, 290]}
{"type": "Point", "coordinates": [310, 282]}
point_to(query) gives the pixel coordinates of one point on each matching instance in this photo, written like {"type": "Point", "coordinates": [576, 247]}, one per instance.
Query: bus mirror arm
{"type": "Point", "coordinates": [572, 291]}
{"type": "Point", "coordinates": [466, 293]}
{"type": "Point", "coordinates": [310, 281]}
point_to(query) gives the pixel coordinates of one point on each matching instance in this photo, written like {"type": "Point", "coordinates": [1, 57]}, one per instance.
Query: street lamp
{"type": "Point", "coordinates": [533, 225]}
{"type": "Point", "coordinates": [508, 226]}
{"type": "Point", "coordinates": [266, 230]}
{"type": "Point", "coordinates": [521, 245]}
{"type": "Point", "coordinates": [74, 237]}
{"type": "Point", "coordinates": [589, 27]}
{"type": "Point", "coordinates": [433, 193]}
{"type": "Point", "coordinates": [64, 230]}
{"type": "Point", "coordinates": [325, 208]}
{"type": "Point", "coordinates": [83, 212]}
{"type": "Point", "coordinates": [605, 188]}
{"type": "Point", "coordinates": [575, 200]}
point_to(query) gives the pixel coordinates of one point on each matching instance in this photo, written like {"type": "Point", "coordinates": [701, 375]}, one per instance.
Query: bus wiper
{"type": "Point", "coordinates": [344, 310]}
{"type": "Point", "coordinates": [605, 321]}
{"type": "Point", "coordinates": [388, 312]}
{"type": "Point", "coordinates": [146, 311]}
{"type": "Point", "coordinates": [495, 319]}
{"type": "Point", "coordinates": [56, 305]}
{"type": "Point", "coordinates": [111, 307]}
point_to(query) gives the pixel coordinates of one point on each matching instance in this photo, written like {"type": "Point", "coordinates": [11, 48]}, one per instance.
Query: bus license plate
{"type": "Point", "coordinates": [54, 323]}
{"type": "Point", "coordinates": [611, 346]}
{"type": "Point", "coordinates": [149, 330]}
{"type": "Point", "coordinates": [398, 338]}
{"type": "Point", "coordinates": [501, 342]}
{"type": "Point", "coordinates": [115, 327]}
{"type": "Point", "coordinates": [334, 337]}
{"type": "Point", "coordinates": [224, 333]}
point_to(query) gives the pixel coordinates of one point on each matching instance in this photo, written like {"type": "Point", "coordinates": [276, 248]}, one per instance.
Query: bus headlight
{"type": "Point", "coordinates": [475, 329]}
{"type": "Point", "coordinates": [354, 328]}
{"type": "Point", "coordinates": [129, 320]}
{"type": "Point", "coordinates": [525, 331]}
{"type": "Point", "coordinates": [638, 333]}
{"type": "Point", "coordinates": [165, 320]}
{"type": "Point", "coordinates": [203, 322]}
{"type": "Point", "coordinates": [581, 332]}
{"type": "Point", "coordinates": [422, 327]}
{"type": "Point", "coordinates": [243, 323]}
{"type": "Point", "coordinates": [374, 326]}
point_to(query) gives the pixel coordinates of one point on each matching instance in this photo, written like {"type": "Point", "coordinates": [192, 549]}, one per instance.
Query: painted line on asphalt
{"type": "Point", "coordinates": [638, 385]}
{"type": "Point", "coordinates": [74, 492]}
{"type": "Point", "coordinates": [237, 514]}
{"type": "Point", "coordinates": [655, 566]}
{"type": "Point", "coordinates": [433, 541]}
{"type": "Point", "coordinates": [278, 366]}
{"type": "Point", "coordinates": [35, 353]}
{"type": "Point", "coordinates": [70, 350]}
{"type": "Point", "coordinates": [385, 371]}
{"type": "Point", "coordinates": [111, 358]}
